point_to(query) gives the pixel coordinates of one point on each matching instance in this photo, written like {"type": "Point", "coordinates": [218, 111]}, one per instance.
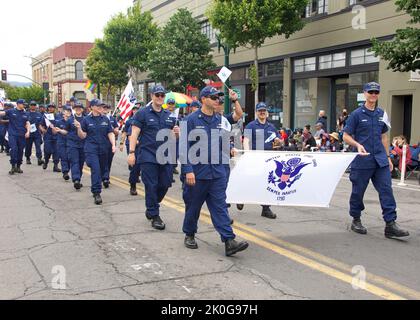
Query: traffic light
{"type": "Point", "coordinates": [46, 86]}
{"type": "Point", "coordinates": [3, 75]}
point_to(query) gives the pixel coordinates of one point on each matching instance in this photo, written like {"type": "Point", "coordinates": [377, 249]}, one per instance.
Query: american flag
{"type": "Point", "coordinates": [127, 101]}
{"type": "Point", "coordinates": [1, 102]}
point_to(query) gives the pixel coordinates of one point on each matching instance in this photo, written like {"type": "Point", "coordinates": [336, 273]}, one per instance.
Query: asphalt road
{"type": "Point", "coordinates": [56, 244]}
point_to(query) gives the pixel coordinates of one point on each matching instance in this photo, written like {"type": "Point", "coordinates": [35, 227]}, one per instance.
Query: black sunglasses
{"type": "Point", "coordinates": [214, 98]}
{"type": "Point", "coordinates": [160, 95]}
{"type": "Point", "coordinates": [373, 92]}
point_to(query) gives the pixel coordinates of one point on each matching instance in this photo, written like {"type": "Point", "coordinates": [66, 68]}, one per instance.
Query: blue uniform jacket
{"type": "Point", "coordinates": [210, 169]}
{"type": "Point", "coordinates": [73, 139]}
{"type": "Point", "coordinates": [367, 128]}
{"type": "Point", "coordinates": [49, 135]}
{"type": "Point", "coordinates": [17, 122]}
{"type": "Point", "coordinates": [150, 122]}
{"type": "Point", "coordinates": [97, 129]}
{"type": "Point", "coordinates": [269, 130]}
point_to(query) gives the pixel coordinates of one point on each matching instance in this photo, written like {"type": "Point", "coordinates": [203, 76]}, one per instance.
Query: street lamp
{"type": "Point", "coordinates": [43, 73]}
{"type": "Point", "coordinates": [226, 48]}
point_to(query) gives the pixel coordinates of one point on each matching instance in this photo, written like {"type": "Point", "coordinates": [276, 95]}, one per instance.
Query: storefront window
{"type": "Point", "coordinates": [272, 94]}
{"type": "Point", "coordinates": [311, 95]}
{"type": "Point", "coordinates": [335, 60]}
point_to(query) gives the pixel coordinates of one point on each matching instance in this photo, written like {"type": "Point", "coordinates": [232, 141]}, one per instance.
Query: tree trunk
{"type": "Point", "coordinates": [257, 76]}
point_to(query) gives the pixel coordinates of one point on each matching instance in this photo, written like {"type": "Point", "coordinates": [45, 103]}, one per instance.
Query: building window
{"type": "Point", "coordinates": [336, 60]}
{"type": "Point", "coordinates": [306, 64]}
{"type": "Point", "coordinates": [353, 2]}
{"type": "Point", "coordinates": [208, 31]}
{"type": "Point", "coordinates": [316, 7]}
{"type": "Point", "coordinates": [363, 56]}
{"type": "Point", "coordinates": [79, 70]}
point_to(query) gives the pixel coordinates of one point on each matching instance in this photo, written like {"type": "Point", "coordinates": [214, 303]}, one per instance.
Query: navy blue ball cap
{"type": "Point", "coordinates": [372, 86]}
{"type": "Point", "coordinates": [73, 99]}
{"type": "Point", "coordinates": [96, 102]}
{"type": "Point", "coordinates": [79, 105]}
{"type": "Point", "coordinates": [51, 105]}
{"type": "Point", "coordinates": [67, 108]}
{"type": "Point", "coordinates": [158, 89]}
{"type": "Point", "coordinates": [210, 91]}
{"type": "Point", "coordinates": [32, 103]}
{"type": "Point", "coordinates": [261, 106]}
{"type": "Point", "coordinates": [196, 103]}
{"type": "Point", "coordinates": [170, 101]}
{"type": "Point", "coordinates": [20, 101]}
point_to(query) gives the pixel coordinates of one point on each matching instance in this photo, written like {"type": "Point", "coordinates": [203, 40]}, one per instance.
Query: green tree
{"type": "Point", "coordinates": [105, 71]}
{"type": "Point", "coordinates": [250, 23]}
{"type": "Point", "coordinates": [182, 55]}
{"type": "Point", "coordinates": [28, 93]}
{"type": "Point", "coordinates": [129, 38]}
{"type": "Point", "coordinates": [403, 52]}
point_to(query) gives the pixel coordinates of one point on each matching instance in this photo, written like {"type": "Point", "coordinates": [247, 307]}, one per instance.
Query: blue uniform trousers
{"type": "Point", "coordinates": [62, 154]}
{"type": "Point", "coordinates": [50, 149]}
{"type": "Point", "coordinates": [157, 180]}
{"type": "Point", "coordinates": [381, 179]}
{"type": "Point", "coordinates": [134, 171]}
{"type": "Point", "coordinates": [213, 192]}
{"type": "Point", "coordinates": [37, 140]}
{"type": "Point", "coordinates": [76, 158]}
{"type": "Point", "coordinates": [3, 142]}
{"type": "Point", "coordinates": [107, 172]}
{"type": "Point", "coordinates": [17, 145]}
{"type": "Point", "coordinates": [98, 164]}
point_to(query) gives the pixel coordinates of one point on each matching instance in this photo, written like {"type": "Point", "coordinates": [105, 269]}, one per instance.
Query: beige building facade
{"type": "Point", "coordinates": [321, 67]}
{"type": "Point", "coordinates": [42, 70]}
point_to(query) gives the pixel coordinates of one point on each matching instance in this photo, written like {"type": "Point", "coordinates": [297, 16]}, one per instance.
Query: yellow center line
{"type": "Point", "coordinates": [336, 269]}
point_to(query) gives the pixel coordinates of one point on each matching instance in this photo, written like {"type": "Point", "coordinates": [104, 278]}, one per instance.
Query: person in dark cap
{"type": "Point", "coordinates": [254, 131]}
{"type": "Point", "coordinates": [18, 131]}
{"type": "Point", "coordinates": [97, 132]}
{"type": "Point", "coordinates": [157, 177]}
{"type": "Point", "coordinates": [195, 105]}
{"type": "Point", "coordinates": [50, 138]}
{"type": "Point", "coordinates": [204, 179]}
{"type": "Point", "coordinates": [3, 129]}
{"type": "Point", "coordinates": [75, 146]}
{"type": "Point", "coordinates": [41, 109]}
{"type": "Point", "coordinates": [125, 139]}
{"type": "Point", "coordinates": [366, 129]}
{"type": "Point", "coordinates": [35, 119]}
{"type": "Point", "coordinates": [72, 102]}
{"type": "Point", "coordinates": [115, 126]}
{"type": "Point", "coordinates": [60, 130]}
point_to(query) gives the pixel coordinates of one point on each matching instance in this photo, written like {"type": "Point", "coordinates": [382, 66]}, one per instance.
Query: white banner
{"type": "Point", "coordinates": [306, 179]}
{"type": "Point", "coordinates": [224, 74]}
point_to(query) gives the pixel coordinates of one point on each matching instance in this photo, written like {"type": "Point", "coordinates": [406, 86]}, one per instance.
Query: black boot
{"type": "Point", "coordinates": [40, 162]}
{"type": "Point", "coordinates": [56, 168]}
{"type": "Point", "coordinates": [106, 184]}
{"type": "Point", "coordinates": [157, 223]}
{"type": "Point", "coordinates": [239, 206]}
{"type": "Point", "coordinates": [66, 176]}
{"type": "Point", "coordinates": [45, 165]}
{"type": "Point", "coordinates": [190, 242]}
{"type": "Point", "coordinates": [98, 199]}
{"type": "Point", "coordinates": [148, 216]}
{"type": "Point", "coordinates": [77, 185]}
{"type": "Point", "coordinates": [18, 169]}
{"type": "Point", "coordinates": [232, 247]}
{"type": "Point", "coordinates": [1, 150]}
{"type": "Point", "coordinates": [267, 213]}
{"type": "Point", "coordinates": [133, 189]}
{"type": "Point", "coordinates": [392, 230]}
{"type": "Point", "coordinates": [28, 161]}
{"type": "Point", "coordinates": [357, 226]}
{"type": "Point", "coordinates": [12, 170]}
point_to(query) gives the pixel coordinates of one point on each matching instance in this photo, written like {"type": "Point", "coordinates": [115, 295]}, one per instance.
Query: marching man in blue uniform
{"type": "Point", "coordinates": [60, 127]}
{"type": "Point", "coordinates": [75, 146]}
{"type": "Point", "coordinates": [366, 129]}
{"type": "Point", "coordinates": [18, 130]}
{"type": "Point", "coordinates": [261, 129]}
{"type": "Point", "coordinates": [4, 125]}
{"type": "Point", "coordinates": [157, 177]}
{"type": "Point", "coordinates": [125, 139]}
{"type": "Point", "coordinates": [204, 178]}
{"type": "Point", "coordinates": [35, 119]}
{"type": "Point", "coordinates": [115, 126]}
{"type": "Point", "coordinates": [97, 132]}
{"type": "Point", "coordinates": [50, 138]}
